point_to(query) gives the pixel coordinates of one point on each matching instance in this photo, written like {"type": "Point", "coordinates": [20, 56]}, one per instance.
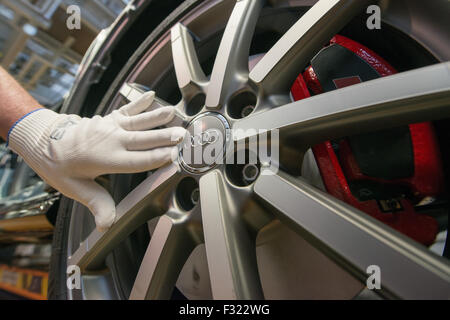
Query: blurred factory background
{"type": "Point", "coordinates": [40, 51]}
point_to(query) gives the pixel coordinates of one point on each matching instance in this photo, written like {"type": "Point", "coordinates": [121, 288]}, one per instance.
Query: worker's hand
{"type": "Point", "coordinates": [69, 152]}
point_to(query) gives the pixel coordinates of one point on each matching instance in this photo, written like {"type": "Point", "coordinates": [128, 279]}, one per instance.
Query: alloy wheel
{"type": "Point", "coordinates": [225, 206]}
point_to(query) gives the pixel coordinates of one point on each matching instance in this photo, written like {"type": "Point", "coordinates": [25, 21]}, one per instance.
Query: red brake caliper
{"type": "Point", "coordinates": [398, 182]}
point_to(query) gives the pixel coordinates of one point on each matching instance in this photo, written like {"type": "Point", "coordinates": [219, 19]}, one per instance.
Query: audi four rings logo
{"type": "Point", "coordinates": [204, 138]}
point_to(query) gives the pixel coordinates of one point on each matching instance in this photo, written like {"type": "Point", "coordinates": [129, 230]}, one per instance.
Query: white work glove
{"type": "Point", "coordinates": [69, 152]}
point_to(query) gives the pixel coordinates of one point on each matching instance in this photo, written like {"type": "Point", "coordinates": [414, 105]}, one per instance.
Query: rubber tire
{"type": "Point", "coordinates": [57, 287]}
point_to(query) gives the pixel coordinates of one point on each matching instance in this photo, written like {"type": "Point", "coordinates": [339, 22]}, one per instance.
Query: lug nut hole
{"type": "Point", "coordinates": [242, 105]}
{"type": "Point", "coordinates": [187, 193]}
{"type": "Point", "coordinates": [196, 104]}
{"type": "Point", "coordinates": [195, 196]}
{"type": "Point", "coordinates": [250, 172]}
{"type": "Point", "coordinates": [243, 174]}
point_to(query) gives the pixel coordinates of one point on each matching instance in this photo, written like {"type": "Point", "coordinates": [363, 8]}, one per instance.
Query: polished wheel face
{"type": "Point", "coordinates": [225, 207]}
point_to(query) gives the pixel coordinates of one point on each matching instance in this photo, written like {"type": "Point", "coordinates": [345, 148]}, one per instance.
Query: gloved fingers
{"type": "Point", "coordinates": [140, 161]}
{"type": "Point", "coordinates": [148, 120]}
{"type": "Point", "coordinates": [97, 199]}
{"type": "Point", "coordinates": [145, 140]}
{"type": "Point", "coordinates": [138, 106]}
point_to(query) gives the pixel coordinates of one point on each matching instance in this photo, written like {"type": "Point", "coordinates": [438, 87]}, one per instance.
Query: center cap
{"type": "Point", "coordinates": [205, 142]}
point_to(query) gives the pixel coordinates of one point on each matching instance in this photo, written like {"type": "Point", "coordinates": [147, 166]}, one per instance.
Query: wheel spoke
{"type": "Point", "coordinates": [169, 248]}
{"type": "Point", "coordinates": [355, 239]}
{"type": "Point", "coordinates": [413, 96]}
{"type": "Point", "coordinates": [231, 65]}
{"type": "Point", "coordinates": [135, 209]}
{"type": "Point", "coordinates": [230, 250]}
{"type": "Point", "coordinates": [281, 65]}
{"type": "Point", "coordinates": [133, 91]}
{"type": "Point", "coordinates": [189, 73]}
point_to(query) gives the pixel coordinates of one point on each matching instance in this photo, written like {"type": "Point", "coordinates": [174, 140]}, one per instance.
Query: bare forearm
{"type": "Point", "coordinates": [15, 102]}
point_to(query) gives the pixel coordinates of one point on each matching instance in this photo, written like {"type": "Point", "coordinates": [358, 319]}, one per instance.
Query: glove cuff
{"type": "Point", "coordinates": [26, 137]}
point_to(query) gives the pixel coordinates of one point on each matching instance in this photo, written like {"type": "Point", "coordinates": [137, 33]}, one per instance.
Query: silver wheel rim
{"type": "Point", "coordinates": [218, 221]}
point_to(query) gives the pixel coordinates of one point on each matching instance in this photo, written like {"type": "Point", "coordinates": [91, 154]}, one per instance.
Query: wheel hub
{"type": "Point", "coordinates": [205, 143]}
